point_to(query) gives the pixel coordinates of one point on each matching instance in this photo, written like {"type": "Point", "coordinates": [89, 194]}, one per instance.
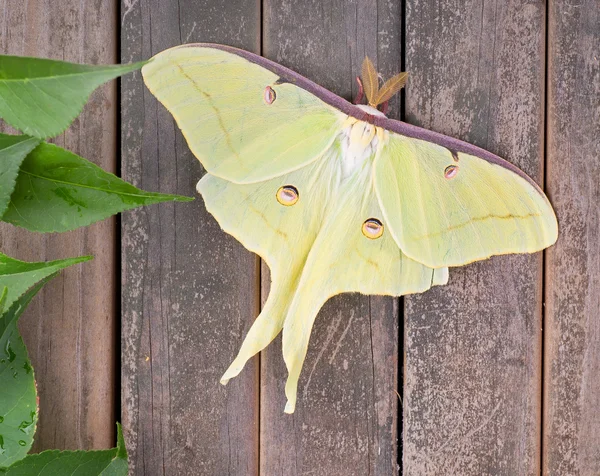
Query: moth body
{"type": "Point", "coordinates": [372, 111]}
{"type": "Point", "coordinates": [360, 141]}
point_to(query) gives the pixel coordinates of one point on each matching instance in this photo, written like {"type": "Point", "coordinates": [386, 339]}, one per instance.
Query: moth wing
{"type": "Point", "coordinates": [239, 119]}
{"type": "Point", "coordinates": [314, 248]}
{"type": "Point", "coordinates": [281, 235]}
{"type": "Point", "coordinates": [343, 259]}
{"type": "Point", "coordinates": [449, 208]}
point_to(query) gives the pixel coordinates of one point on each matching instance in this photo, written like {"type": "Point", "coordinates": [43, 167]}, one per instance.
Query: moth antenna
{"type": "Point", "coordinates": [370, 81]}
{"type": "Point", "coordinates": [391, 87]}
{"type": "Point", "coordinates": [361, 91]}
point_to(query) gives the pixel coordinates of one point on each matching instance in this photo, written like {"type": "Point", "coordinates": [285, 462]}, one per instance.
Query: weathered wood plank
{"type": "Point", "coordinates": [190, 292]}
{"type": "Point", "coordinates": [473, 348]}
{"type": "Point", "coordinates": [346, 417]}
{"type": "Point", "coordinates": [572, 326]}
{"type": "Point", "coordinates": [70, 328]}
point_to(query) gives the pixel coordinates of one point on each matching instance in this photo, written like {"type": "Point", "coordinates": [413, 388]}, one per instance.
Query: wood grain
{"type": "Point", "coordinates": [473, 348]}
{"type": "Point", "coordinates": [346, 417]}
{"type": "Point", "coordinates": [190, 292]}
{"type": "Point", "coordinates": [70, 327]}
{"type": "Point", "coordinates": [572, 323]}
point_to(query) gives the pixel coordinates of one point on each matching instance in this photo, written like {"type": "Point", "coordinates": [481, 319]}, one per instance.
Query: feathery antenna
{"type": "Point", "coordinates": [370, 82]}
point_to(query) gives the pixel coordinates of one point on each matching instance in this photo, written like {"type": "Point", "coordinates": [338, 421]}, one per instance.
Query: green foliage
{"type": "Point", "coordinates": [13, 150]}
{"type": "Point", "coordinates": [18, 400]}
{"type": "Point", "coordinates": [41, 97]}
{"type": "Point", "coordinates": [111, 462]}
{"type": "Point", "coordinates": [18, 276]}
{"type": "Point", "coordinates": [18, 407]}
{"type": "Point", "coordinates": [45, 188]}
{"type": "Point", "coordinates": [20, 282]}
{"type": "Point", "coordinates": [3, 296]}
{"type": "Point", "coordinates": [58, 191]}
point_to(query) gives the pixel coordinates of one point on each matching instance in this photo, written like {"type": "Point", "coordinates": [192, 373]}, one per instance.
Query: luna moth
{"type": "Point", "coordinates": [335, 196]}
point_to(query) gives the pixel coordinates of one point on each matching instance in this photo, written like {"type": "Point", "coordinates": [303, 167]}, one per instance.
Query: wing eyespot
{"type": "Point", "coordinates": [372, 228]}
{"type": "Point", "coordinates": [269, 95]}
{"type": "Point", "coordinates": [451, 171]}
{"type": "Point", "coordinates": [287, 195]}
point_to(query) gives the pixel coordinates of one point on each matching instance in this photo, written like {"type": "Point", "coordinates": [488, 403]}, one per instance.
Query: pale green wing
{"type": "Point", "coordinates": [281, 235]}
{"type": "Point", "coordinates": [241, 120]}
{"type": "Point", "coordinates": [315, 249]}
{"type": "Point", "coordinates": [448, 208]}
{"type": "Point", "coordinates": [343, 259]}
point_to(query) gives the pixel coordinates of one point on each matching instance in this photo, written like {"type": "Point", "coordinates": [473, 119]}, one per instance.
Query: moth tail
{"type": "Point", "coordinates": [265, 328]}
{"type": "Point", "coordinates": [296, 334]}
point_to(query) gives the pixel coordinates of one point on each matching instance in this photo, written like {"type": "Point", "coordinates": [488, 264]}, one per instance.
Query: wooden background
{"type": "Point", "coordinates": [497, 373]}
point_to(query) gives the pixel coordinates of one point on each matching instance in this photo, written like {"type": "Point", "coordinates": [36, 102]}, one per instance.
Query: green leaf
{"type": "Point", "coordinates": [18, 400]}
{"type": "Point", "coordinates": [3, 296]}
{"type": "Point", "coordinates": [59, 191]}
{"type": "Point", "coordinates": [41, 97]}
{"type": "Point", "coordinates": [13, 150]}
{"type": "Point", "coordinates": [19, 276]}
{"type": "Point", "coordinates": [111, 462]}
